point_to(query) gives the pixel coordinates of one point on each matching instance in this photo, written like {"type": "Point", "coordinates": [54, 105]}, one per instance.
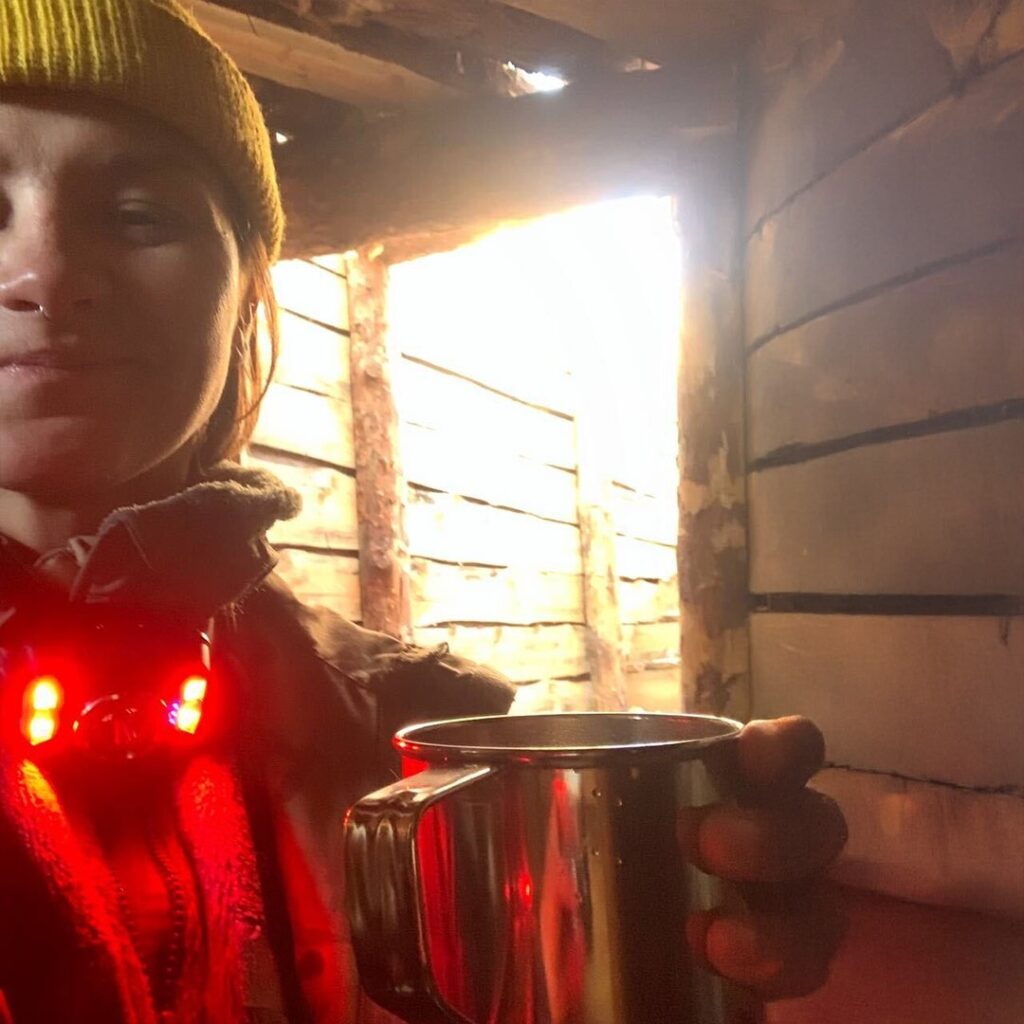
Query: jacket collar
{"type": "Point", "coordinates": [189, 554]}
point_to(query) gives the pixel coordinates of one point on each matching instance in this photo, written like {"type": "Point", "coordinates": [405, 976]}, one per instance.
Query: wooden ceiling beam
{"type": "Point", "coordinates": [478, 161]}
{"type": "Point", "coordinates": [660, 30]}
{"type": "Point", "coordinates": [492, 30]}
{"type": "Point", "coordinates": [303, 61]}
{"type": "Point", "coordinates": [435, 59]}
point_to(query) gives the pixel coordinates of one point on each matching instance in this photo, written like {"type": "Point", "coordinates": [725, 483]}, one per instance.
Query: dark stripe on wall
{"type": "Point", "coordinates": [884, 286]}
{"type": "Point", "coordinates": [961, 82]}
{"type": "Point", "coordinates": [959, 419]}
{"type": "Point", "coordinates": [448, 372]}
{"type": "Point", "coordinates": [999, 605]}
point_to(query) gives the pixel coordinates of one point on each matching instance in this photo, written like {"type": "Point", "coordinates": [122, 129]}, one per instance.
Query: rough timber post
{"type": "Point", "coordinates": [712, 548]}
{"type": "Point", "coordinates": [603, 626]}
{"type": "Point", "coordinates": [384, 567]}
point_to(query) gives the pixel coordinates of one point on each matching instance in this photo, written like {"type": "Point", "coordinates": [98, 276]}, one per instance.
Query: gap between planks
{"type": "Point", "coordinates": [299, 460]}
{"type": "Point", "coordinates": [944, 423]}
{"type": "Point", "coordinates": [342, 332]}
{"type": "Point", "coordinates": [1015, 791]}
{"type": "Point", "coordinates": [882, 287]}
{"type": "Point", "coordinates": [968, 605]}
{"type": "Point", "coordinates": [470, 500]}
{"type": "Point", "coordinates": [314, 549]}
{"type": "Point", "coordinates": [448, 372]}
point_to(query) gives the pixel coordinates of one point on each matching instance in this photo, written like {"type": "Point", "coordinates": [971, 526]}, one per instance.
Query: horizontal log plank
{"type": "Point", "coordinates": [929, 843]}
{"type": "Point", "coordinates": [304, 423]}
{"type": "Point", "coordinates": [642, 449]}
{"type": "Point", "coordinates": [953, 340]}
{"type": "Point", "coordinates": [436, 400]}
{"type": "Point", "coordinates": [652, 474]}
{"type": "Point", "coordinates": [328, 516]}
{"type": "Point", "coordinates": [450, 529]}
{"type": "Point", "coordinates": [522, 653]}
{"type": "Point", "coordinates": [644, 560]}
{"type": "Point", "coordinates": [470, 465]}
{"type": "Point", "coordinates": [450, 593]}
{"type": "Point", "coordinates": [932, 515]}
{"type": "Point", "coordinates": [655, 689]}
{"type": "Point", "coordinates": [312, 357]}
{"type": "Point", "coordinates": [436, 318]}
{"type": "Point", "coordinates": [650, 644]}
{"type": "Point", "coordinates": [552, 696]}
{"type": "Point", "coordinates": [648, 517]}
{"type": "Point", "coordinates": [954, 684]}
{"type": "Point", "coordinates": [945, 185]}
{"type": "Point", "coordinates": [311, 291]}
{"type": "Point", "coordinates": [876, 61]}
{"type": "Point", "coordinates": [647, 601]}
{"type": "Point", "coordinates": [330, 580]}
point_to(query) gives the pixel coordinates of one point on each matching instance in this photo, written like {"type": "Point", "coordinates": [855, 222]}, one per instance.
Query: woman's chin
{"type": "Point", "coordinates": [71, 460]}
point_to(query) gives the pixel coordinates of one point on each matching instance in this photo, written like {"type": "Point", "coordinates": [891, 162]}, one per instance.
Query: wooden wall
{"type": "Point", "coordinates": [304, 434]}
{"type": "Point", "coordinates": [885, 376]}
{"type": "Point", "coordinates": [490, 449]}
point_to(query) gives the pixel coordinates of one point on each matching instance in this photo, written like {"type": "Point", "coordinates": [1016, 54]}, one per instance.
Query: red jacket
{"type": "Point", "coordinates": [316, 702]}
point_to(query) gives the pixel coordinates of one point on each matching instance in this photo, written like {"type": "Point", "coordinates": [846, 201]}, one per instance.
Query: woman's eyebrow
{"type": "Point", "coordinates": [137, 164]}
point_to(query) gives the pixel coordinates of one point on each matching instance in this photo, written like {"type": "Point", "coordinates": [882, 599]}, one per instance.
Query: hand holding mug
{"type": "Point", "coordinates": [776, 843]}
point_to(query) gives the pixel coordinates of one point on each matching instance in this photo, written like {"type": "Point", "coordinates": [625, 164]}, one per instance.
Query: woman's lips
{"type": "Point", "coordinates": [68, 356]}
{"type": "Point", "coordinates": [34, 371]}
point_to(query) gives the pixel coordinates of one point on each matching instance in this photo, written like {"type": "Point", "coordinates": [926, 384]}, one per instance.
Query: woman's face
{"type": "Point", "coordinates": [120, 292]}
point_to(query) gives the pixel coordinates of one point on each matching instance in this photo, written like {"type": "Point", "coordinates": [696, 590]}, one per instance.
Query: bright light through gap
{"type": "Point", "coordinates": [537, 81]}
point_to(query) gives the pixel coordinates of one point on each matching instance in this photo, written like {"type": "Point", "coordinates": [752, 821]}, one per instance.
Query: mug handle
{"type": "Point", "coordinates": [382, 892]}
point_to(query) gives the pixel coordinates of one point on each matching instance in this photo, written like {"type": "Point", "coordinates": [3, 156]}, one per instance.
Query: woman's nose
{"type": "Point", "coordinates": [43, 274]}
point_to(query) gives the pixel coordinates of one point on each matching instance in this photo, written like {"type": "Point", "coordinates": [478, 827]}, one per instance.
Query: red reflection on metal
{"type": "Point", "coordinates": [520, 985]}
{"type": "Point", "coordinates": [445, 940]}
{"type": "Point", "coordinates": [563, 942]}
{"type": "Point", "coordinates": [411, 766]}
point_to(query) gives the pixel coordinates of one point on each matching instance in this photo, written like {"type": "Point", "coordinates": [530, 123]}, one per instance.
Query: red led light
{"type": "Point", "coordinates": [43, 699]}
{"type": "Point", "coordinates": [185, 712]}
{"type": "Point", "coordinates": [41, 728]}
{"type": "Point", "coordinates": [45, 694]}
{"type": "Point", "coordinates": [187, 718]}
{"type": "Point", "coordinates": [193, 690]}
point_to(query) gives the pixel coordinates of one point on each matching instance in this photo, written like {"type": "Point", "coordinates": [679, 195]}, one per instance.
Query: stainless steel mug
{"type": "Point", "coordinates": [527, 870]}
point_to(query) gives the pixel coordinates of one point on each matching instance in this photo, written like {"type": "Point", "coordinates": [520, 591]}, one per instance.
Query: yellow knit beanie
{"type": "Point", "coordinates": [153, 56]}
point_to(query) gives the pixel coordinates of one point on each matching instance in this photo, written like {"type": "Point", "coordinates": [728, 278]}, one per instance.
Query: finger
{"type": "Point", "coordinates": [779, 956]}
{"type": "Point", "coordinates": [784, 842]}
{"type": "Point", "coordinates": [781, 753]}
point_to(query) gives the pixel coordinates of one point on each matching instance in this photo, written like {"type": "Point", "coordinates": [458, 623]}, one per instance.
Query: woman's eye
{"type": "Point", "coordinates": [150, 224]}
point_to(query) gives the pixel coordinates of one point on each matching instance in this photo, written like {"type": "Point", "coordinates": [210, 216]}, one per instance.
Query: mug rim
{"type": "Point", "coordinates": [413, 741]}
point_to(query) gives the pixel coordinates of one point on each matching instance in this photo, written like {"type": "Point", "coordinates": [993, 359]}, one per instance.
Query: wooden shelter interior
{"type": "Point", "coordinates": [847, 522]}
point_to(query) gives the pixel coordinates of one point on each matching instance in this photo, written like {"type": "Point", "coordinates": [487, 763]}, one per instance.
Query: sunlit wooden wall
{"type": "Point", "coordinates": [304, 435]}
{"type": "Point", "coordinates": [489, 451]}
{"type": "Point", "coordinates": [490, 447]}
